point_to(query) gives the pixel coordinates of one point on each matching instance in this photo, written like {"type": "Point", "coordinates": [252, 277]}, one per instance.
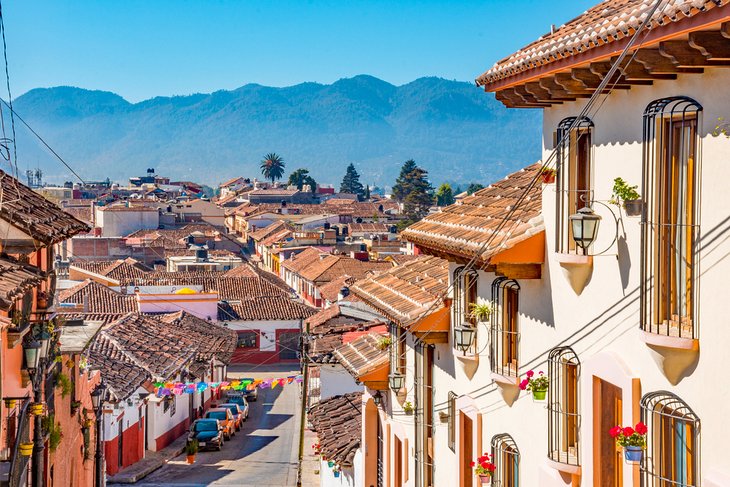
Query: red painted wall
{"type": "Point", "coordinates": [133, 444]}
{"type": "Point", "coordinates": [172, 434]}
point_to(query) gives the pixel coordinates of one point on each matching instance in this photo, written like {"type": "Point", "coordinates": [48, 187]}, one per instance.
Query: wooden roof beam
{"type": "Point", "coordinates": [512, 100]}
{"type": "Point", "coordinates": [656, 63]}
{"type": "Point", "coordinates": [529, 98]}
{"type": "Point", "coordinates": [591, 80]}
{"type": "Point", "coordinates": [714, 45]}
{"type": "Point", "coordinates": [601, 69]}
{"type": "Point", "coordinates": [557, 92]}
{"type": "Point", "coordinates": [571, 84]}
{"type": "Point", "coordinates": [637, 71]}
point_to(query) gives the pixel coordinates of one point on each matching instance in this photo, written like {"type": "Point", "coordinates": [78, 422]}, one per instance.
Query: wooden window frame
{"type": "Point", "coordinates": [564, 406]}
{"type": "Point", "coordinates": [466, 293]}
{"type": "Point", "coordinates": [506, 457]}
{"type": "Point", "coordinates": [504, 354]}
{"type": "Point", "coordinates": [452, 420]}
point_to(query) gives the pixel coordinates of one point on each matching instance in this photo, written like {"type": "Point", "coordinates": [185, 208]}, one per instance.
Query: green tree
{"type": "Point", "coordinates": [300, 178]}
{"type": "Point", "coordinates": [401, 186]}
{"type": "Point", "coordinates": [351, 183]}
{"type": "Point", "coordinates": [473, 188]}
{"type": "Point", "coordinates": [367, 191]}
{"type": "Point", "coordinates": [445, 195]}
{"type": "Point", "coordinates": [272, 166]}
{"type": "Point", "coordinates": [420, 195]}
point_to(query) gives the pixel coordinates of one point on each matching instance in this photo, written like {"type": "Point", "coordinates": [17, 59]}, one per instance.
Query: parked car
{"type": "Point", "coordinates": [208, 432]}
{"type": "Point", "coordinates": [242, 403]}
{"type": "Point", "coordinates": [225, 417]}
{"type": "Point", "coordinates": [253, 394]}
{"type": "Point", "coordinates": [238, 413]}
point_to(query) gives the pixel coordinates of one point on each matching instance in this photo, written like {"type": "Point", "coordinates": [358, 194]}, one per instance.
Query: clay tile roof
{"type": "Point", "coordinates": [34, 215]}
{"type": "Point", "coordinates": [95, 266]}
{"type": "Point", "coordinates": [263, 308]}
{"type": "Point", "coordinates": [97, 298]}
{"type": "Point", "coordinates": [15, 280]}
{"type": "Point", "coordinates": [408, 291]}
{"type": "Point", "coordinates": [400, 259]}
{"type": "Point", "coordinates": [213, 340]}
{"type": "Point", "coordinates": [104, 318]}
{"type": "Point", "coordinates": [462, 228]}
{"type": "Point", "coordinates": [268, 230]}
{"type": "Point", "coordinates": [244, 270]}
{"type": "Point", "coordinates": [230, 182]}
{"type": "Point", "coordinates": [121, 372]}
{"type": "Point", "coordinates": [335, 266]}
{"type": "Point", "coordinates": [301, 260]}
{"type": "Point", "coordinates": [338, 423]}
{"type": "Point", "coordinates": [369, 227]}
{"type": "Point", "coordinates": [120, 269]}
{"type": "Point", "coordinates": [363, 355]}
{"type": "Point", "coordinates": [329, 291]}
{"type": "Point", "coordinates": [329, 320]}
{"type": "Point", "coordinates": [608, 22]}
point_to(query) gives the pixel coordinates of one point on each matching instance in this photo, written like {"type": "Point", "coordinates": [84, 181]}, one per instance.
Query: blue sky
{"type": "Point", "coordinates": [146, 48]}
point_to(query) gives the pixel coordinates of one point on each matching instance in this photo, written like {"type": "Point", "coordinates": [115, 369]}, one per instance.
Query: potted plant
{"type": "Point", "coordinates": [336, 471]}
{"type": "Point", "coordinates": [75, 405]}
{"type": "Point", "coordinates": [36, 408]}
{"type": "Point", "coordinates": [330, 463]}
{"type": "Point", "coordinates": [628, 196]}
{"type": "Point", "coordinates": [484, 469]}
{"type": "Point", "coordinates": [64, 383]}
{"type": "Point", "coordinates": [632, 440]}
{"type": "Point", "coordinates": [408, 407]}
{"type": "Point", "coordinates": [538, 385]}
{"type": "Point", "coordinates": [26, 449]}
{"type": "Point", "coordinates": [384, 343]}
{"type": "Point", "coordinates": [481, 311]}
{"type": "Point", "coordinates": [548, 175]}
{"type": "Point", "coordinates": [191, 449]}
{"type": "Point", "coordinates": [10, 403]}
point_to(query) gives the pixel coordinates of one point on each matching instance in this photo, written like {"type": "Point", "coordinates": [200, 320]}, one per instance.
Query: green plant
{"type": "Point", "coordinates": [532, 383]}
{"type": "Point", "coordinates": [408, 407]}
{"type": "Point", "coordinates": [64, 383]}
{"type": "Point", "coordinates": [629, 436]}
{"type": "Point", "coordinates": [191, 447]}
{"type": "Point", "coordinates": [623, 192]}
{"type": "Point", "coordinates": [722, 128]}
{"type": "Point", "coordinates": [481, 311]}
{"type": "Point", "coordinates": [384, 343]}
{"type": "Point", "coordinates": [53, 430]}
{"type": "Point", "coordinates": [86, 431]}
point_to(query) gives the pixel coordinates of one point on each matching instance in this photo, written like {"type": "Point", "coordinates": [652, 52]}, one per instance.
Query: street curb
{"type": "Point", "coordinates": [133, 479]}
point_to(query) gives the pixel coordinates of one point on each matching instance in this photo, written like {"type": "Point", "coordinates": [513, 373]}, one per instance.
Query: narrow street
{"type": "Point", "coordinates": [263, 453]}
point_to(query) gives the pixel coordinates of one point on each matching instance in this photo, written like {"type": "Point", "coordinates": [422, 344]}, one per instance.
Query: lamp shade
{"type": "Point", "coordinates": [97, 396]}
{"type": "Point", "coordinates": [31, 350]}
{"type": "Point", "coordinates": [464, 336]}
{"type": "Point", "coordinates": [397, 381]}
{"type": "Point", "coordinates": [44, 339]}
{"type": "Point", "coordinates": [584, 225]}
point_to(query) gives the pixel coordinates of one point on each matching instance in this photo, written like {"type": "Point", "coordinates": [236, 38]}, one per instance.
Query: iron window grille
{"type": "Point", "coordinates": [465, 295]}
{"type": "Point", "coordinates": [671, 219]}
{"type": "Point", "coordinates": [564, 406]}
{"type": "Point", "coordinates": [672, 456]}
{"type": "Point", "coordinates": [452, 420]}
{"type": "Point", "coordinates": [573, 183]}
{"type": "Point", "coordinates": [506, 457]}
{"type": "Point", "coordinates": [397, 349]}
{"type": "Point", "coordinates": [505, 332]}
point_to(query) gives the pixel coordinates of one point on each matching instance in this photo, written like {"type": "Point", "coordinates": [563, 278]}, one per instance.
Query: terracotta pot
{"type": "Point", "coordinates": [548, 177]}
{"type": "Point", "coordinates": [26, 449]}
{"type": "Point", "coordinates": [191, 459]}
{"type": "Point", "coordinates": [633, 207]}
{"type": "Point", "coordinates": [485, 479]}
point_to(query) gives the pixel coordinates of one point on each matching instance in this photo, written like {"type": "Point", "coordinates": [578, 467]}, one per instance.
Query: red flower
{"type": "Point", "coordinates": [628, 431]}
{"type": "Point", "coordinates": [472, 464]}
{"type": "Point", "coordinates": [524, 383]}
{"type": "Point", "coordinates": [615, 431]}
{"type": "Point", "coordinates": [541, 373]}
{"type": "Point", "coordinates": [485, 465]}
{"type": "Point", "coordinates": [529, 374]}
{"type": "Point", "coordinates": [641, 428]}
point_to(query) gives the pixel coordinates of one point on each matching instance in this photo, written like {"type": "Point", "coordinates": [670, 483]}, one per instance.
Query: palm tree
{"type": "Point", "coordinates": [272, 166]}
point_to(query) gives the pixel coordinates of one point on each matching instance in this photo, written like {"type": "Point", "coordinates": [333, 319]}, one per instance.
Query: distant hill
{"type": "Point", "coordinates": [453, 129]}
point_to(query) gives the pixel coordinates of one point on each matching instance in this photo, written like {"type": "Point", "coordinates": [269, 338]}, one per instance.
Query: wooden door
{"type": "Point", "coordinates": [607, 464]}
{"type": "Point", "coordinates": [397, 462]}
{"type": "Point", "coordinates": [467, 453]}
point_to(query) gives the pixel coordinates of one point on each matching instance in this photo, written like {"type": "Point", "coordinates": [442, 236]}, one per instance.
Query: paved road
{"type": "Point", "coordinates": [263, 453]}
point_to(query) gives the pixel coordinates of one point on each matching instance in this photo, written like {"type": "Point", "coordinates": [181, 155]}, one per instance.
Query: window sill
{"type": "Point", "coordinates": [676, 357]}
{"type": "Point", "coordinates": [573, 259]}
{"type": "Point", "coordinates": [507, 380]}
{"type": "Point", "coordinates": [666, 341]}
{"type": "Point", "coordinates": [564, 467]}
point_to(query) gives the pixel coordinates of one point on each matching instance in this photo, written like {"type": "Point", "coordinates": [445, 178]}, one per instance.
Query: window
{"type": "Point", "coordinates": [563, 406]}
{"type": "Point", "coordinates": [504, 356]}
{"type": "Point", "coordinates": [574, 189]}
{"type": "Point", "coordinates": [672, 451]}
{"type": "Point", "coordinates": [671, 217]}
{"type": "Point", "coordinates": [397, 349]}
{"type": "Point", "coordinates": [248, 339]}
{"type": "Point", "coordinates": [465, 294]}
{"type": "Point", "coordinates": [506, 457]}
{"type": "Point", "coordinates": [452, 420]}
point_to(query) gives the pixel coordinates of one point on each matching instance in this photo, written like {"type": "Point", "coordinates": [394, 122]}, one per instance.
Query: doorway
{"type": "Point", "coordinates": [288, 345]}
{"type": "Point", "coordinates": [607, 403]}
{"type": "Point", "coordinates": [466, 448]}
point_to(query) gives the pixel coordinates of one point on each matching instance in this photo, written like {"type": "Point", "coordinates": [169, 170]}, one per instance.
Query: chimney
{"type": "Point", "coordinates": [552, 29]}
{"type": "Point", "coordinates": [344, 292]}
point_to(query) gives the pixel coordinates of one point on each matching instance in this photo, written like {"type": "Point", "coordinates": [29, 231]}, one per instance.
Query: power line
{"type": "Point", "coordinates": [13, 165]}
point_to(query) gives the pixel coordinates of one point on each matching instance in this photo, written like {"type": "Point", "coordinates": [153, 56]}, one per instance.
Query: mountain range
{"type": "Point", "coordinates": [453, 129]}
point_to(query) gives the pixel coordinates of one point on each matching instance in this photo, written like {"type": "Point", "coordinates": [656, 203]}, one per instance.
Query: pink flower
{"type": "Point", "coordinates": [523, 384]}
{"type": "Point", "coordinates": [641, 428]}
{"type": "Point", "coordinates": [529, 374]}
{"type": "Point", "coordinates": [541, 373]}
{"type": "Point", "coordinates": [628, 431]}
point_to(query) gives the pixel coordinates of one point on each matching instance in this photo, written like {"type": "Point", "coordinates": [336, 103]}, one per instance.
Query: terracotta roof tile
{"type": "Point", "coordinates": [607, 22]}
{"type": "Point", "coordinates": [334, 266]}
{"type": "Point", "coordinates": [276, 307]}
{"type": "Point", "coordinates": [120, 269]}
{"type": "Point", "coordinates": [338, 423]}
{"type": "Point", "coordinates": [212, 340]}
{"type": "Point", "coordinates": [16, 279]}
{"type": "Point", "coordinates": [121, 372]}
{"type": "Point", "coordinates": [97, 298]}
{"type": "Point", "coordinates": [36, 216]}
{"type": "Point", "coordinates": [301, 260]}
{"type": "Point", "coordinates": [462, 228]}
{"type": "Point", "coordinates": [329, 291]}
{"type": "Point", "coordinates": [363, 355]}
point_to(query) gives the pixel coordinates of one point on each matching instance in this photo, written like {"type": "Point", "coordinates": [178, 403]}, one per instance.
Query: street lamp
{"type": "Point", "coordinates": [585, 225]}
{"type": "Point", "coordinates": [31, 350]}
{"type": "Point", "coordinates": [397, 381]}
{"type": "Point", "coordinates": [36, 352]}
{"type": "Point", "coordinates": [98, 396]}
{"type": "Point", "coordinates": [464, 336]}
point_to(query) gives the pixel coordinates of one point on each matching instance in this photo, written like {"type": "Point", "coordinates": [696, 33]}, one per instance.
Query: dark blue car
{"type": "Point", "coordinates": [208, 432]}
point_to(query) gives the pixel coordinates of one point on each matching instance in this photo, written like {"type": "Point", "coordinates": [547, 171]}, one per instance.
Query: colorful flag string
{"type": "Point", "coordinates": [163, 389]}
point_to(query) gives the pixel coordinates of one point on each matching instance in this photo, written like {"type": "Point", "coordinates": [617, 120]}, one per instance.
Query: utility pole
{"type": "Point", "coordinates": [305, 393]}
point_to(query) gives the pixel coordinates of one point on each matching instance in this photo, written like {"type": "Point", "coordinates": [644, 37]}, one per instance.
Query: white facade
{"type": "Point", "coordinates": [122, 221]}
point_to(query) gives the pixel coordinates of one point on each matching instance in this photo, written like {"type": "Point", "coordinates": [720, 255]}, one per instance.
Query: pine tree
{"type": "Point", "coordinates": [419, 197]}
{"type": "Point", "coordinates": [367, 191]}
{"type": "Point", "coordinates": [473, 188]}
{"type": "Point", "coordinates": [445, 195]}
{"type": "Point", "coordinates": [351, 183]}
{"type": "Point", "coordinates": [401, 186]}
{"type": "Point", "coordinates": [301, 177]}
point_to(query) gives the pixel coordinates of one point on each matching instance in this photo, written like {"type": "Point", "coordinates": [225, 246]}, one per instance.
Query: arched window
{"type": "Point", "coordinates": [574, 188]}
{"type": "Point", "coordinates": [670, 189]}
{"type": "Point", "coordinates": [506, 457]}
{"type": "Point", "coordinates": [465, 294]}
{"type": "Point", "coordinates": [563, 406]}
{"type": "Point", "coordinates": [505, 331]}
{"type": "Point", "coordinates": [672, 443]}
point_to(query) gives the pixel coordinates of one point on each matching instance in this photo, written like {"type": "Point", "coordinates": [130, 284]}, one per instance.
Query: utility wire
{"type": "Point", "coordinates": [13, 164]}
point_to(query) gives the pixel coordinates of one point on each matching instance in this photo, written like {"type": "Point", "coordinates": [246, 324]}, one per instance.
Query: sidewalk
{"type": "Point", "coordinates": [310, 462]}
{"type": "Point", "coordinates": [151, 462]}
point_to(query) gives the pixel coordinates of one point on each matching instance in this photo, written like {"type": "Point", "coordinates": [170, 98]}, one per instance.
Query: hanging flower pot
{"type": "Point", "coordinates": [539, 394]}
{"type": "Point", "coordinates": [538, 385]}
{"type": "Point", "coordinates": [26, 449]}
{"type": "Point", "coordinates": [330, 464]}
{"type": "Point", "coordinates": [633, 207]}
{"type": "Point", "coordinates": [10, 403]}
{"type": "Point", "coordinates": [36, 408]}
{"type": "Point", "coordinates": [633, 454]}
{"type": "Point", "coordinates": [548, 175]}
{"type": "Point", "coordinates": [485, 479]}
{"type": "Point", "coordinates": [337, 474]}
{"type": "Point", "coordinates": [484, 468]}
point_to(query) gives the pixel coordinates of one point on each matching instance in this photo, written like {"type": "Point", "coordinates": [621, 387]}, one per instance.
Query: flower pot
{"type": "Point", "coordinates": [633, 453]}
{"type": "Point", "coordinates": [337, 474]}
{"type": "Point", "coordinates": [36, 408]}
{"type": "Point", "coordinates": [10, 403]}
{"type": "Point", "coordinates": [330, 464]}
{"type": "Point", "coordinates": [548, 177]}
{"type": "Point", "coordinates": [633, 207]}
{"type": "Point", "coordinates": [191, 459]}
{"type": "Point", "coordinates": [538, 394]}
{"type": "Point", "coordinates": [409, 412]}
{"type": "Point", "coordinates": [485, 479]}
{"type": "Point", "coordinates": [26, 449]}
